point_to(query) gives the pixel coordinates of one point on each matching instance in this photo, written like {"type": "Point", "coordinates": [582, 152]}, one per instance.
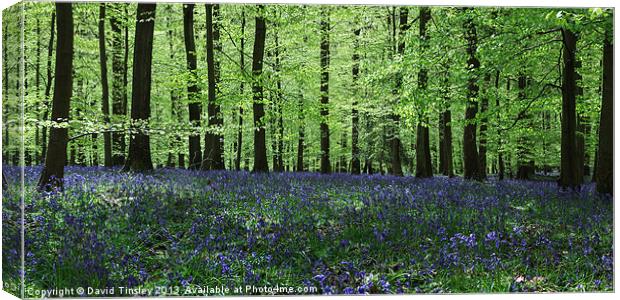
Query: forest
{"type": "Point", "coordinates": [335, 149]}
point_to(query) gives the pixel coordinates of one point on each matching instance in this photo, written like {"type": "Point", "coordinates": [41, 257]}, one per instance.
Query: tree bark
{"type": "Point", "coordinates": [260, 147]}
{"type": "Point", "coordinates": [470, 151]}
{"type": "Point", "coordinates": [213, 157]}
{"type": "Point", "coordinates": [569, 175]}
{"type": "Point", "coordinates": [278, 165]}
{"type": "Point", "coordinates": [424, 167]}
{"type": "Point", "coordinates": [239, 143]}
{"type": "Point", "coordinates": [482, 146]}
{"type": "Point", "coordinates": [605, 152]}
{"type": "Point", "coordinates": [300, 140]}
{"type": "Point", "coordinates": [325, 28]}
{"type": "Point", "coordinates": [139, 143]}
{"type": "Point", "coordinates": [355, 70]}
{"type": "Point", "coordinates": [56, 156]}
{"type": "Point", "coordinates": [105, 102]}
{"type": "Point", "coordinates": [119, 88]}
{"type": "Point", "coordinates": [195, 109]}
{"type": "Point", "coordinates": [445, 129]}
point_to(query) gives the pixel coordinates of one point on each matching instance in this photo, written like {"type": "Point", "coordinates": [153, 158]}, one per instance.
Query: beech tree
{"type": "Point", "coordinates": [139, 158]}
{"type": "Point", "coordinates": [56, 155]}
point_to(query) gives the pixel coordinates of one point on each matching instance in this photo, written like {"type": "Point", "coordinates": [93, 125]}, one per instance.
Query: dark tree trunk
{"type": "Point", "coordinates": [445, 129]}
{"type": "Point", "coordinates": [195, 109]}
{"type": "Point", "coordinates": [470, 151]}
{"type": "Point", "coordinates": [278, 165]}
{"type": "Point", "coordinates": [424, 167]}
{"type": "Point", "coordinates": [213, 157]}
{"type": "Point", "coordinates": [355, 151]}
{"type": "Point", "coordinates": [119, 89]}
{"type": "Point", "coordinates": [48, 85]}
{"type": "Point", "coordinates": [300, 140]}
{"type": "Point", "coordinates": [569, 174]}
{"type": "Point", "coordinates": [105, 99]}
{"type": "Point", "coordinates": [325, 28]}
{"type": "Point", "coordinates": [605, 152]}
{"type": "Point", "coordinates": [238, 145]}
{"type": "Point", "coordinates": [139, 143]}
{"type": "Point", "coordinates": [260, 147]}
{"type": "Point", "coordinates": [580, 142]}
{"type": "Point", "coordinates": [56, 156]}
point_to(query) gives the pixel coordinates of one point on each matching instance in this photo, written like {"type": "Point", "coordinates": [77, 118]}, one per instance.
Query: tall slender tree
{"type": "Point", "coordinates": [355, 70]}
{"type": "Point", "coordinates": [119, 86]}
{"type": "Point", "coordinates": [484, 120]}
{"type": "Point", "coordinates": [569, 174]}
{"type": "Point", "coordinates": [470, 150]}
{"type": "Point", "coordinates": [424, 166]}
{"type": "Point", "coordinates": [445, 128]}
{"type": "Point", "coordinates": [239, 142]}
{"type": "Point", "coordinates": [105, 102]}
{"type": "Point", "coordinates": [195, 109]}
{"type": "Point", "coordinates": [56, 156]}
{"type": "Point", "coordinates": [325, 28]}
{"type": "Point", "coordinates": [260, 147]}
{"type": "Point", "coordinates": [213, 158]}
{"type": "Point", "coordinates": [301, 134]}
{"type": "Point", "coordinates": [139, 158]}
{"type": "Point", "coordinates": [605, 157]}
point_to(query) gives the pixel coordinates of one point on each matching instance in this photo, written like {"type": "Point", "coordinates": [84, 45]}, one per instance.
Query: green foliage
{"type": "Point", "coordinates": [511, 42]}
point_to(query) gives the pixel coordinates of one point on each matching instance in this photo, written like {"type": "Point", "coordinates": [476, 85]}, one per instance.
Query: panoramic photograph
{"type": "Point", "coordinates": [219, 149]}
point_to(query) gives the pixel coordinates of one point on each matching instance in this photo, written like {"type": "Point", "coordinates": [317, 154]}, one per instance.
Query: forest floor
{"type": "Point", "coordinates": [188, 230]}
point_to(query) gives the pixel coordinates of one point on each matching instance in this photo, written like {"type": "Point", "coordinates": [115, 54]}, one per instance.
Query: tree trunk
{"type": "Point", "coordinates": [260, 147]}
{"type": "Point", "coordinates": [119, 89]}
{"type": "Point", "coordinates": [278, 165]}
{"type": "Point", "coordinates": [56, 156]}
{"type": "Point", "coordinates": [470, 151]}
{"type": "Point", "coordinates": [300, 139]}
{"type": "Point", "coordinates": [238, 145]}
{"type": "Point", "coordinates": [325, 28]}
{"type": "Point", "coordinates": [424, 167]}
{"type": "Point", "coordinates": [569, 174]}
{"type": "Point", "coordinates": [445, 129]}
{"type": "Point", "coordinates": [213, 157]}
{"type": "Point", "coordinates": [605, 152]}
{"type": "Point", "coordinates": [355, 151]}
{"type": "Point", "coordinates": [195, 109]}
{"type": "Point", "coordinates": [105, 102]}
{"type": "Point", "coordinates": [139, 143]}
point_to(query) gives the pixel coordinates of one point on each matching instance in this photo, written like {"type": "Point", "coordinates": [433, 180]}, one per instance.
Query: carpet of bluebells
{"type": "Point", "coordinates": [339, 233]}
